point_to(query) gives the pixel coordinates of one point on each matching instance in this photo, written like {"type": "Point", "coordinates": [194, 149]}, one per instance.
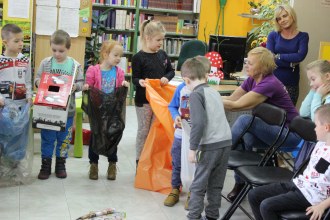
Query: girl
{"type": "Point", "coordinates": [318, 73]}
{"type": "Point", "coordinates": [152, 63]}
{"type": "Point", "coordinates": [105, 76]}
{"type": "Point", "coordinates": [290, 47]}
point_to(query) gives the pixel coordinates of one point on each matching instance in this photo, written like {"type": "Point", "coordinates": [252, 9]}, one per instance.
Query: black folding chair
{"type": "Point", "coordinates": [262, 175]}
{"type": "Point", "coordinates": [270, 114]}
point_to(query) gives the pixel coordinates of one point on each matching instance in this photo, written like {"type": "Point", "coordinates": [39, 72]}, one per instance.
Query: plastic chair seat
{"type": "Point", "coordinates": [238, 158]}
{"type": "Point", "coordinates": [258, 176]}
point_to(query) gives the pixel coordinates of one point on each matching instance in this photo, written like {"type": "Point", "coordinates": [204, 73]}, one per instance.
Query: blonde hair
{"type": "Point", "coordinates": [323, 66]}
{"type": "Point", "coordinates": [323, 113]}
{"type": "Point", "coordinates": [150, 28]}
{"type": "Point", "coordinates": [106, 48]}
{"type": "Point", "coordinates": [193, 68]}
{"type": "Point", "coordinates": [291, 13]}
{"type": "Point", "coordinates": [206, 63]}
{"type": "Point", "coordinates": [266, 64]}
{"type": "Point", "coordinates": [61, 37]}
{"type": "Point", "coordinates": [9, 29]}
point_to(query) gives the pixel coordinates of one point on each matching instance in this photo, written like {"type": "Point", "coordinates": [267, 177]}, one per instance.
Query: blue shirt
{"type": "Point", "coordinates": [291, 51]}
{"type": "Point", "coordinates": [108, 80]}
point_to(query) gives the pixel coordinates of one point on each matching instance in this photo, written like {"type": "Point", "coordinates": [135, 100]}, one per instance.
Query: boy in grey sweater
{"type": "Point", "coordinates": [210, 141]}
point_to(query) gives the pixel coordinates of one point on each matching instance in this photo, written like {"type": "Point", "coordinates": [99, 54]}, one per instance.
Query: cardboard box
{"type": "Point", "coordinates": [50, 110]}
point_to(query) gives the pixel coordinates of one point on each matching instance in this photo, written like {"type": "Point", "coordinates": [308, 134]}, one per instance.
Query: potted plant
{"type": "Point", "coordinates": [255, 7]}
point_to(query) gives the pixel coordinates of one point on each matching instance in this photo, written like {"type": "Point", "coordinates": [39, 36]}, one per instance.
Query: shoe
{"type": "Point", "coordinates": [112, 171]}
{"type": "Point", "coordinates": [186, 204]}
{"type": "Point", "coordinates": [60, 168]}
{"type": "Point", "coordinates": [93, 171]}
{"type": "Point", "coordinates": [172, 198]}
{"type": "Point", "coordinates": [46, 166]}
{"type": "Point", "coordinates": [235, 191]}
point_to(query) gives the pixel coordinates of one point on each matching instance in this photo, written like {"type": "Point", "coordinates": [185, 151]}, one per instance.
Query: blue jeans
{"type": "Point", "coordinates": [266, 201]}
{"type": "Point", "coordinates": [176, 162]}
{"type": "Point", "coordinates": [61, 138]}
{"type": "Point", "coordinates": [94, 157]}
{"type": "Point", "coordinates": [259, 135]}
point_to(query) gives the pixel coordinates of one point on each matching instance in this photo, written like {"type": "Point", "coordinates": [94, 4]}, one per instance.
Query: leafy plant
{"type": "Point", "coordinates": [255, 5]}
{"type": "Point", "coordinates": [92, 44]}
{"type": "Point", "coordinates": [258, 35]}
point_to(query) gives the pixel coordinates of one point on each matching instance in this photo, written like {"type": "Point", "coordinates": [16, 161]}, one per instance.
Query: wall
{"type": "Point", "coordinates": [317, 27]}
{"type": "Point", "coordinates": [234, 25]}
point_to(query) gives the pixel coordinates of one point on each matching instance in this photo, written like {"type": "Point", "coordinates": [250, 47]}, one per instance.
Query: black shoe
{"type": "Point", "coordinates": [60, 167]}
{"type": "Point", "coordinates": [235, 191]}
{"type": "Point", "coordinates": [45, 169]}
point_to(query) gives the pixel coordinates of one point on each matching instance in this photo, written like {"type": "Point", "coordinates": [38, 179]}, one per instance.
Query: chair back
{"type": "Point", "coordinates": [191, 49]}
{"type": "Point", "coordinates": [270, 114]}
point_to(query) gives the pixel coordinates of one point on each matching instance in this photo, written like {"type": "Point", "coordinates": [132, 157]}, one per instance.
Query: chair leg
{"type": "Point", "coordinates": [240, 207]}
{"type": "Point", "coordinates": [236, 203]}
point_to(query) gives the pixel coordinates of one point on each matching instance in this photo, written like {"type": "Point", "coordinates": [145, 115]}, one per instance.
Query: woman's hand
{"type": "Point", "coordinates": [142, 83]}
{"type": "Point", "coordinates": [125, 83]}
{"type": "Point", "coordinates": [85, 87]}
{"type": "Point", "coordinates": [163, 81]}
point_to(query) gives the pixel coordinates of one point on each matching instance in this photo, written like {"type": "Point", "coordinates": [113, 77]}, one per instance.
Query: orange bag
{"type": "Point", "coordinates": [155, 165]}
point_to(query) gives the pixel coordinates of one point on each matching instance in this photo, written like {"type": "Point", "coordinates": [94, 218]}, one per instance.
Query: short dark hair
{"type": "Point", "coordinates": [61, 37]}
{"type": "Point", "coordinates": [8, 29]}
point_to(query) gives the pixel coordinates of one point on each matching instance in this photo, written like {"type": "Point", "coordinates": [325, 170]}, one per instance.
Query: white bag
{"type": "Point", "coordinates": [187, 168]}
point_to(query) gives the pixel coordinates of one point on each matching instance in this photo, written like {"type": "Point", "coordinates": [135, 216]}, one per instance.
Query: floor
{"type": "Point", "coordinates": [70, 198]}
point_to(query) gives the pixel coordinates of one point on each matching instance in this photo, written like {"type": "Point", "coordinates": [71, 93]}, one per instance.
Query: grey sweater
{"type": "Point", "coordinates": [46, 65]}
{"type": "Point", "coordinates": [209, 126]}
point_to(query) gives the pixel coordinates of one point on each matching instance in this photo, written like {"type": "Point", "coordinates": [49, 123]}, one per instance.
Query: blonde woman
{"type": "Point", "coordinates": [290, 47]}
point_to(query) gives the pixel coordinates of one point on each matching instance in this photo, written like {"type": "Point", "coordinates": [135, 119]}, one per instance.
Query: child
{"type": "Point", "coordinates": [153, 63]}
{"type": "Point", "coordinates": [318, 73]}
{"type": "Point", "coordinates": [59, 63]}
{"type": "Point", "coordinates": [179, 109]}
{"type": "Point", "coordinates": [308, 192]}
{"type": "Point", "coordinates": [15, 69]}
{"type": "Point", "coordinates": [105, 76]}
{"type": "Point", "coordinates": [209, 145]}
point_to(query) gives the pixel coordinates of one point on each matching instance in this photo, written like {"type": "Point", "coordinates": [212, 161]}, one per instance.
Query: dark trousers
{"type": "Point", "coordinates": [94, 157]}
{"type": "Point", "coordinates": [266, 201]}
{"type": "Point", "coordinates": [176, 162]}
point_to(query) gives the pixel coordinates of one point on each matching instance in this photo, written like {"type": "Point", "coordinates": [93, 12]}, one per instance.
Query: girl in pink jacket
{"type": "Point", "coordinates": [105, 76]}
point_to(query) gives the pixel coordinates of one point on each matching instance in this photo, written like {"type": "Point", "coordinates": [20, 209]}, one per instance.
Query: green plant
{"type": "Point", "coordinates": [258, 35]}
{"type": "Point", "coordinates": [255, 5]}
{"type": "Point", "coordinates": [92, 44]}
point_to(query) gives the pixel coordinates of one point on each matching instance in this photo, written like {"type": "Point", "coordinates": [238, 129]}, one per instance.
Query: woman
{"type": "Point", "coordinates": [260, 86]}
{"type": "Point", "coordinates": [290, 47]}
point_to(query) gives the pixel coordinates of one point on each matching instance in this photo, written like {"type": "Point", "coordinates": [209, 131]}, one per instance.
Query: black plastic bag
{"type": "Point", "coordinates": [106, 114]}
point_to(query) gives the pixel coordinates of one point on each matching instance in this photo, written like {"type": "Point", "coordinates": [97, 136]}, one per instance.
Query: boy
{"type": "Point", "coordinates": [15, 69]}
{"type": "Point", "coordinates": [308, 192]}
{"type": "Point", "coordinates": [210, 141]}
{"type": "Point", "coordinates": [59, 63]}
{"type": "Point", "coordinates": [179, 109]}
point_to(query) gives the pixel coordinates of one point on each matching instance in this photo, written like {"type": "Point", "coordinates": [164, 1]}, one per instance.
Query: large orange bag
{"type": "Point", "coordinates": [155, 165]}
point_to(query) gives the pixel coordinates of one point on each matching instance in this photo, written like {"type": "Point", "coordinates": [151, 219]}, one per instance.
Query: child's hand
{"type": "Point", "coordinates": [85, 87]}
{"type": "Point", "coordinates": [29, 100]}
{"type": "Point", "coordinates": [37, 83]}
{"type": "Point", "coordinates": [74, 87]}
{"type": "Point", "coordinates": [163, 81]}
{"type": "Point", "coordinates": [178, 121]}
{"type": "Point", "coordinates": [316, 211]}
{"type": "Point", "coordinates": [125, 83]}
{"type": "Point", "coordinates": [142, 83]}
{"type": "Point", "coordinates": [192, 156]}
{"type": "Point", "coordinates": [2, 102]}
{"type": "Point", "coordinates": [323, 89]}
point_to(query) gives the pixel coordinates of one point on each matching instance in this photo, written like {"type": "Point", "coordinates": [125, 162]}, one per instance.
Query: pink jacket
{"type": "Point", "coordinates": [94, 76]}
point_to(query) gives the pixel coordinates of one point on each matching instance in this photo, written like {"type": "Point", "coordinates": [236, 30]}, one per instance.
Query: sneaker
{"type": "Point", "coordinates": [186, 204]}
{"type": "Point", "coordinates": [172, 198]}
{"type": "Point", "coordinates": [93, 171]}
{"type": "Point", "coordinates": [112, 171]}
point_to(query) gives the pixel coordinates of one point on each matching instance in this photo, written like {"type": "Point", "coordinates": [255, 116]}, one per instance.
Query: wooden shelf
{"type": "Point", "coordinates": [180, 35]}
{"type": "Point", "coordinates": [162, 10]}
{"type": "Point", "coordinates": [98, 6]}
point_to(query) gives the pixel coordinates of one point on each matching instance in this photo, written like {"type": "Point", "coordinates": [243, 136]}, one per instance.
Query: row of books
{"type": "Point", "coordinates": [186, 5]}
{"type": "Point", "coordinates": [130, 3]}
{"type": "Point", "coordinates": [172, 46]}
{"type": "Point", "coordinates": [172, 23]}
{"type": "Point", "coordinates": [117, 19]}
{"type": "Point", "coordinates": [124, 39]}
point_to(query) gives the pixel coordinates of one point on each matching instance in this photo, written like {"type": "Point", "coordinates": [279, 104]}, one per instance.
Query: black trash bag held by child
{"type": "Point", "coordinates": [106, 114]}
